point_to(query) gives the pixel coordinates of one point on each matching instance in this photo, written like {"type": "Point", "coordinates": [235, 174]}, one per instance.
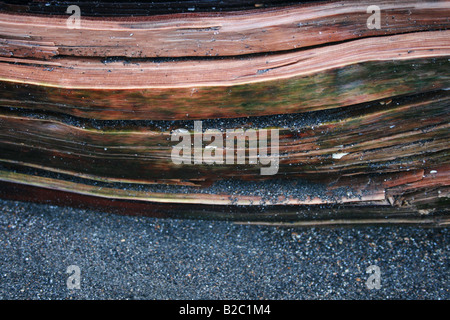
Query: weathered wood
{"type": "Point", "coordinates": [375, 138]}
{"type": "Point", "coordinates": [386, 157]}
{"type": "Point", "coordinates": [362, 115]}
{"type": "Point", "coordinates": [290, 83]}
{"type": "Point", "coordinates": [216, 34]}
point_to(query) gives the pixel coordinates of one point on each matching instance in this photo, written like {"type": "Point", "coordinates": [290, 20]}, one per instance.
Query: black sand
{"type": "Point", "coordinates": [123, 257]}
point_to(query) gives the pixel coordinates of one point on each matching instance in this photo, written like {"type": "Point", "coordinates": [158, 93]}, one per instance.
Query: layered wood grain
{"type": "Point", "coordinates": [86, 114]}
{"type": "Point", "coordinates": [215, 34]}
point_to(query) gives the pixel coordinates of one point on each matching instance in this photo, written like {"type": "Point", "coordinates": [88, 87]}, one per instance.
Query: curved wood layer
{"type": "Point", "coordinates": [382, 137]}
{"type": "Point", "coordinates": [215, 34]}
{"type": "Point", "coordinates": [279, 84]}
{"type": "Point", "coordinates": [92, 74]}
{"type": "Point", "coordinates": [363, 115]}
{"type": "Point", "coordinates": [425, 192]}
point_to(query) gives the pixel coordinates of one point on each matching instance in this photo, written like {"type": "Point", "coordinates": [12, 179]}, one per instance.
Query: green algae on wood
{"type": "Point", "coordinates": [325, 90]}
